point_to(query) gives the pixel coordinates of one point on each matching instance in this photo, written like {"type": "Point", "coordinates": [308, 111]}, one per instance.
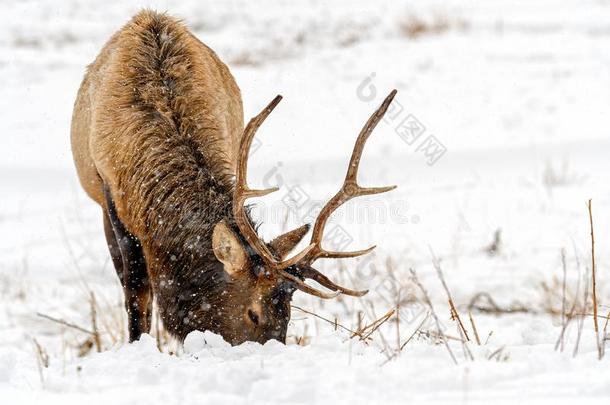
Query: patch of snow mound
{"type": "Point", "coordinates": [197, 341]}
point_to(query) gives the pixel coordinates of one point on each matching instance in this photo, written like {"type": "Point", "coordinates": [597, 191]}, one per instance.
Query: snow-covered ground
{"type": "Point", "coordinates": [513, 98]}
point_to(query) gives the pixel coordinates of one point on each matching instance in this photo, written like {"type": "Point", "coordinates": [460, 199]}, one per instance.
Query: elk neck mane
{"type": "Point", "coordinates": [177, 171]}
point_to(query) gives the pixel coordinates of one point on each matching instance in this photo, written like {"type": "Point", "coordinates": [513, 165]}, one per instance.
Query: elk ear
{"type": "Point", "coordinates": [283, 244]}
{"type": "Point", "coordinates": [228, 249]}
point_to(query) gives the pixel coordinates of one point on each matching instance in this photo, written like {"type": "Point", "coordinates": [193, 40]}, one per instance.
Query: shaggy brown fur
{"type": "Point", "coordinates": [158, 120]}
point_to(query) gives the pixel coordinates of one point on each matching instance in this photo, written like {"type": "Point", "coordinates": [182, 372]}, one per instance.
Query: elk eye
{"type": "Point", "coordinates": [253, 316]}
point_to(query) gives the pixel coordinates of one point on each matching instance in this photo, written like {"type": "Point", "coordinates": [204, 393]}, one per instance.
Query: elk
{"type": "Point", "coordinates": [158, 142]}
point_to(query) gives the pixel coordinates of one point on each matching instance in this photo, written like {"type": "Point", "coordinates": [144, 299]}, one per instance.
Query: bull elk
{"type": "Point", "coordinates": [158, 142]}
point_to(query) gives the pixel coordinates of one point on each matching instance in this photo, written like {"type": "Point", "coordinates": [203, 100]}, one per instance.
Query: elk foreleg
{"type": "Point", "coordinates": [130, 265]}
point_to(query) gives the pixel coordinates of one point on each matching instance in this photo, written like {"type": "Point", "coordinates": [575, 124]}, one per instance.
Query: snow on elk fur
{"type": "Point", "coordinates": [158, 142]}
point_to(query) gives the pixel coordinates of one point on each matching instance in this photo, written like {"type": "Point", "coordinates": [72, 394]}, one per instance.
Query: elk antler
{"type": "Point", "coordinates": [242, 192]}
{"type": "Point", "coordinates": [314, 251]}
{"type": "Point", "coordinates": [349, 190]}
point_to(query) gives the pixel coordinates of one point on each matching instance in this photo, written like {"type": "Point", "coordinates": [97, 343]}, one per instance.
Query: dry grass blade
{"type": "Point", "coordinates": [454, 314]}
{"type": "Point", "coordinates": [376, 324]}
{"type": "Point", "coordinates": [563, 295]}
{"type": "Point", "coordinates": [42, 359]}
{"type": "Point", "coordinates": [398, 322]}
{"type": "Point", "coordinates": [64, 323]}
{"type": "Point", "coordinates": [594, 289]}
{"type": "Point", "coordinates": [491, 332]}
{"type": "Point", "coordinates": [465, 348]}
{"type": "Point", "coordinates": [436, 320]}
{"type": "Point", "coordinates": [474, 329]}
{"type": "Point", "coordinates": [571, 315]}
{"type": "Point", "coordinates": [497, 353]}
{"type": "Point", "coordinates": [581, 320]}
{"type": "Point", "coordinates": [430, 334]}
{"type": "Point", "coordinates": [42, 354]}
{"type": "Point", "coordinates": [95, 332]}
{"type": "Point", "coordinates": [334, 323]}
{"type": "Point", "coordinates": [606, 337]}
{"type": "Point", "coordinates": [415, 331]}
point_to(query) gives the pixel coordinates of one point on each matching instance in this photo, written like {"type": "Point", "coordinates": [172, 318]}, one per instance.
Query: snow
{"type": "Point", "coordinates": [516, 93]}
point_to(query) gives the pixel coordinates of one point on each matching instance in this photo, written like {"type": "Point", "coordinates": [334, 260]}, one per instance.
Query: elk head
{"type": "Point", "coordinates": [262, 278]}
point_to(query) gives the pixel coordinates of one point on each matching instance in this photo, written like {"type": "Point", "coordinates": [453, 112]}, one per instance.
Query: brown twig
{"type": "Point", "coordinates": [595, 323]}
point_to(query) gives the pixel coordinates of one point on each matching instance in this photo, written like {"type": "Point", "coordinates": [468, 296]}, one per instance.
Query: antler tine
{"type": "Point", "coordinates": [315, 275]}
{"type": "Point", "coordinates": [301, 285]}
{"type": "Point", "coordinates": [349, 190]}
{"type": "Point", "coordinates": [365, 132]}
{"type": "Point", "coordinates": [243, 192]}
{"type": "Point", "coordinates": [241, 181]}
{"type": "Point", "coordinates": [329, 254]}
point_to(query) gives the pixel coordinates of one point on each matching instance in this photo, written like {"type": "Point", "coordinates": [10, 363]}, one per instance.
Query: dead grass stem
{"type": "Point", "coordinates": [95, 332]}
{"type": "Point", "coordinates": [581, 319]}
{"type": "Point", "coordinates": [436, 320]}
{"type": "Point", "coordinates": [600, 353]}
{"type": "Point", "coordinates": [474, 329]}
{"type": "Point", "coordinates": [454, 313]}
{"type": "Point", "coordinates": [64, 323]}
{"type": "Point", "coordinates": [42, 359]}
